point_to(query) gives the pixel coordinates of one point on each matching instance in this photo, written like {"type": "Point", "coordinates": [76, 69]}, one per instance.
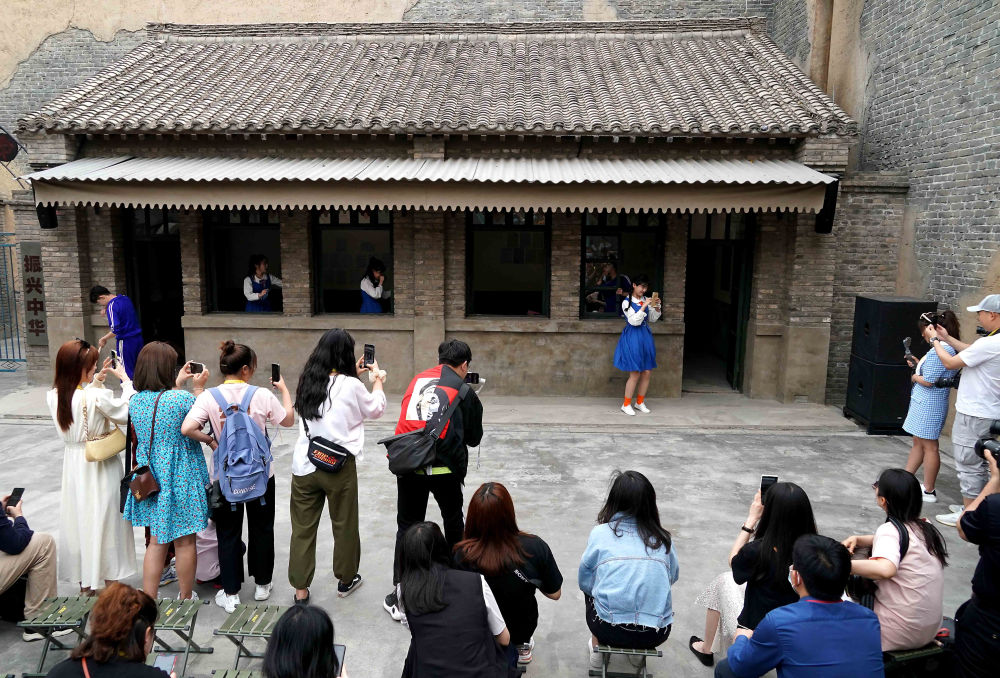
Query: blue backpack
{"type": "Point", "coordinates": [243, 458]}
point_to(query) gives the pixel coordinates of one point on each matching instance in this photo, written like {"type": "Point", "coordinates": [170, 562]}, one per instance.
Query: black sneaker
{"type": "Point", "coordinates": [344, 590]}
{"type": "Point", "coordinates": [391, 605]}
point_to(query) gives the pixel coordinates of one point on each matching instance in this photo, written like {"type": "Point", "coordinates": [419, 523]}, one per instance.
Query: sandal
{"type": "Point", "coordinates": [706, 658]}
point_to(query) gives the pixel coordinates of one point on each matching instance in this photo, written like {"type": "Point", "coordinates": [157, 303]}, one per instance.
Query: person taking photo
{"type": "Point", "coordinates": [978, 402]}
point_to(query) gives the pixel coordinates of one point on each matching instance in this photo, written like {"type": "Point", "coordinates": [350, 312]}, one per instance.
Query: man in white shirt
{"type": "Point", "coordinates": [978, 402]}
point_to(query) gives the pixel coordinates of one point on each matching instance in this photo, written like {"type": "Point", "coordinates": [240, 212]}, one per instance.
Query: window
{"type": "Point", "coordinates": [725, 234]}
{"type": "Point", "coordinates": [343, 243]}
{"type": "Point", "coordinates": [507, 263]}
{"type": "Point", "coordinates": [232, 237]}
{"type": "Point", "coordinates": [618, 246]}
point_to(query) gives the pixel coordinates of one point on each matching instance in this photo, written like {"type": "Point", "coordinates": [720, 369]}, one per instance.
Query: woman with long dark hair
{"type": "Point", "coordinates": [301, 646]}
{"type": "Point", "coordinates": [122, 630]}
{"type": "Point", "coordinates": [371, 286]}
{"type": "Point", "coordinates": [333, 405]}
{"type": "Point", "coordinates": [628, 569]}
{"type": "Point", "coordinates": [258, 283]}
{"type": "Point", "coordinates": [238, 363]}
{"type": "Point", "coordinates": [456, 628]}
{"type": "Point", "coordinates": [929, 404]}
{"type": "Point", "coordinates": [774, 523]}
{"type": "Point", "coordinates": [180, 509]}
{"type": "Point", "coordinates": [515, 564]}
{"type": "Point", "coordinates": [910, 591]}
{"type": "Point", "coordinates": [95, 545]}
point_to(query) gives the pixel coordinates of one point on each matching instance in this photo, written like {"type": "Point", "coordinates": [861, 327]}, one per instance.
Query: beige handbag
{"type": "Point", "coordinates": [103, 446]}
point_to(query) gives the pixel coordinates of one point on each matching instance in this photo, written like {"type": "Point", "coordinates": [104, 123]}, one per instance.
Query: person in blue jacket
{"type": "Point", "coordinates": [371, 286]}
{"type": "Point", "coordinates": [628, 569]}
{"type": "Point", "coordinates": [124, 324]}
{"type": "Point", "coordinates": [820, 636]}
{"type": "Point", "coordinates": [257, 285]}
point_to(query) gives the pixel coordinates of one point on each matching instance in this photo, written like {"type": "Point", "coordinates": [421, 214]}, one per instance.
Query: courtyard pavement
{"type": "Point", "coordinates": [704, 454]}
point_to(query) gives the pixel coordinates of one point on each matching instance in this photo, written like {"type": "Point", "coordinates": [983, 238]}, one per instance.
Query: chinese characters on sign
{"type": "Point", "coordinates": [34, 294]}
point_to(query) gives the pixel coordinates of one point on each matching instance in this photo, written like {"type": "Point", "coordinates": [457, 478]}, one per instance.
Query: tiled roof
{"type": "Point", "coordinates": [672, 78]}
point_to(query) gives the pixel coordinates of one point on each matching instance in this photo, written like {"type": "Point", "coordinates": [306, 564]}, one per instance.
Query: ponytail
{"type": "Point", "coordinates": [235, 357]}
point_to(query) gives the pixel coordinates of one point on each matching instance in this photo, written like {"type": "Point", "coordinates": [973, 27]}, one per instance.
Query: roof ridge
{"type": "Point", "coordinates": [170, 31]}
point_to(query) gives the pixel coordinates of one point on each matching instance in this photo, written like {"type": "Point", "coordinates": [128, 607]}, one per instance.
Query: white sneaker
{"type": "Point", "coordinates": [263, 591]}
{"type": "Point", "coordinates": [642, 408]}
{"type": "Point", "coordinates": [596, 658]}
{"type": "Point", "coordinates": [928, 497]}
{"type": "Point", "coordinates": [627, 409]}
{"type": "Point", "coordinates": [956, 508]}
{"type": "Point", "coordinates": [194, 596]}
{"type": "Point", "coordinates": [227, 603]}
{"type": "Point", "coordinates": [949, 519]}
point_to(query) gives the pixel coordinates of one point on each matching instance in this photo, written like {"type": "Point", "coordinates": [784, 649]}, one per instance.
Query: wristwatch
{"type": "Point", "coordinates": [933, 339]}
{"type": "Point", "coordinates": [748, 530]}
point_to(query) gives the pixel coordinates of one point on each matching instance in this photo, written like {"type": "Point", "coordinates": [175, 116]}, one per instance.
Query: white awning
{"type": "Point", "coordinates": [567, 184]}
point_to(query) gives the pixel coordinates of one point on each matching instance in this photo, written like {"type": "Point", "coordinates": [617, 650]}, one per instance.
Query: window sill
{"type": "Point", "coordinates": [547, 325]}
{"type": "Point", "coordinates": [278, 321]}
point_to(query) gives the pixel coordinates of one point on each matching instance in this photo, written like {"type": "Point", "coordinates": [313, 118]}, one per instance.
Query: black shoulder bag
{"type": "Point", "coordinates": [414, 450]}
{"type": "Point", "coordinates": [325, 454]}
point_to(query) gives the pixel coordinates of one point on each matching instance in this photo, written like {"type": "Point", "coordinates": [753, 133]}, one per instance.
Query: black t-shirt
{"type": "Point", "coordinates": [73, 668]}
{"type": "Point", "coordinates": [982, 527]}
{"type": "Point", "coordinates": [765, 591]}
{"type": "Point", "coordinates": [515, 589]}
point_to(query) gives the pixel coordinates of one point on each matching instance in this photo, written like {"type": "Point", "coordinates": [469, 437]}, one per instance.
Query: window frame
{"type": "Point", "coordinates": [210, 226]}
{"type": "Point", "coordinates": [602, 228]}
{"type": "Point", "coordinates": [316, 255]}
{"type": "Point", "coordinates": [490, 217]}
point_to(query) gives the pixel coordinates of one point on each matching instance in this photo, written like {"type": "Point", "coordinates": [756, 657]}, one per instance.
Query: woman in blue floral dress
{"type": "Point", "coordinates": [180, 509]}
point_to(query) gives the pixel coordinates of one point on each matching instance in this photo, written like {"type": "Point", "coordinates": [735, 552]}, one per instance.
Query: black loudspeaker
{"type": "Point", "coordinates": [878, 395]}
{"type": "Point", "coordinates": [47, 216]}
{"type": "Point", "coordinates": [881, 323]}
{"type": "Point", "coordinates": [824, 219]}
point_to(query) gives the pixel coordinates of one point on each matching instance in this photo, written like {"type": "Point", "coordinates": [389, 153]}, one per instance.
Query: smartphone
{"type": "Point", "coordinates": [197, 368]}
{"type": "Point", "coordinates": [472, 377]}
{"type": "Point", "coordinates": [15, 496]}
{"type": "Point", "coordinates": [165, 662]}
{"type": "Point", "coordinates": [765, 484]}
{"type": "Point", "coordinates": [369, 355]}
{"type": "Point", "coordinates": [340, 651]}
{"type": "Point", "coordinates": [114, 359]}
{"type": "Point", "coordinates": [906, 347]}
{"type": "Point", "coordinates": [656, 296]}
{"type": "Point", "coordinates": [275, 373]}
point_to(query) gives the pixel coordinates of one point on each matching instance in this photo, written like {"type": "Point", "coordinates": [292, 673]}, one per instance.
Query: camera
{"type": "Point", "coordinates": [990, 444]}
{"type": "Point", "coordinates": [948, 382]}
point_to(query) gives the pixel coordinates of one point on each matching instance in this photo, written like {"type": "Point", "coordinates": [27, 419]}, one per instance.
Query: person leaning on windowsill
{"type": "Point", "coordinates": [977, 622]}
{"type": "Point", "coordinates": [978, 402]}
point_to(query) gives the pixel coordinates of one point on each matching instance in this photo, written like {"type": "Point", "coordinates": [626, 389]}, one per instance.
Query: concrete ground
{"type": "Point", "coordinates": [704, 453]}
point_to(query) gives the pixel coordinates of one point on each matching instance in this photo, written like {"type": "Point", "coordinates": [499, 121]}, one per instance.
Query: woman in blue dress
{"type": "Point", "coordinates": [636, 351]}
{"type": "Point", "coordinates": [928, 404]}
{"type": "Point", "coordinates": [180, 509]}
{"type": "Point", "coordinates": [371, 286]}
{"type": "Point", "coordinates": [257, 285]}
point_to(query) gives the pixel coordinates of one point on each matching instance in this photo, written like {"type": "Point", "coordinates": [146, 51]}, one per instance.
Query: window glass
{"type": "Point", "coordinates": [232, 238]}
{"type": "Point", "coordinates": [507, 263]}
{"type": "Point", "coordinates": [616, 248]}
{"type": "Point", "coordinates": [343, 245]}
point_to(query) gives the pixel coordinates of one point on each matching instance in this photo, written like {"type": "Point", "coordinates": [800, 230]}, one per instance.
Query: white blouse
{"type": "Point", "coordinates": [248, 286]}
{"type": "Point", "coordinates": [636, 317]}
{"type": "Point", "coordinates": [368, 288]}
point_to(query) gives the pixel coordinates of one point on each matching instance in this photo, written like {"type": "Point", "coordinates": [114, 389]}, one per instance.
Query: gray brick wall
{"type": "Point", "coordinates": [788, 26]}
{"type": "Point", "coordinates": [575, 10]}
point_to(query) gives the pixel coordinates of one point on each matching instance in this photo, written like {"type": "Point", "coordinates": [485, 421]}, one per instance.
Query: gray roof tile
{"type": "Point", "coordinates": [688, 77]}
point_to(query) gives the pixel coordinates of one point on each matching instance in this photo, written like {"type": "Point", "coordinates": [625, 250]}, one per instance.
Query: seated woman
{"type": "Point", "coordinates": [514, 563]}
{"type": "Point", "coordinates": [783, 516]}
{"type": "Point", "coordinates": [456, 628]}
{"type": "Point", "coordinates": [371, 286]}
{"type": "Point", "coordinates": [121, 635]}
{"type": "Point", "coordinates": [628, 569]}
{"type": "Point", "coordinates": [257, 285]}
{"type": "Point", "coordinates": [910, 580]}
{"type": "Point", "coordinates": [301, 646]}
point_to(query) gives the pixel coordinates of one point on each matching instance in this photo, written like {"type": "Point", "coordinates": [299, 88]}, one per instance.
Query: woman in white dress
{"type": "Point", "coordinates": [96, 546]}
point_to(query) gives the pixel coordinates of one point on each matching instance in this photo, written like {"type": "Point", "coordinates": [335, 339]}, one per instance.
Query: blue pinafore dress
{"type": "Point", "coordinates": [260, 305]}
{"type": "Point", "coordinates": [636, 350]}
{"type": "Point", "coordinates": [370, 304]}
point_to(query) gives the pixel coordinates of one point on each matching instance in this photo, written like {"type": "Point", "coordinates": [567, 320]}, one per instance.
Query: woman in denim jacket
{"type": "Point", "coordinates": [628, 569]}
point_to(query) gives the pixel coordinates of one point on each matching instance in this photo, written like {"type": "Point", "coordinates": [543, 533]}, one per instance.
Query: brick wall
{"type": "Point", "coordinates": [788, 26]}
{"type": "Point", "coordinates": [402, 262]}
{"type": "Point", "coordinates": [769, 299]}
{"type": "Point", "coordinates": [193, 275]}
{"type": "Point", "coordinates": [296, 263]}
{"type": "Point", "coordinates": [564, 282]}
{"type": "Point", "coordinates": [867, 231]}
{"type": "Point", "coordinates": [576, 10]}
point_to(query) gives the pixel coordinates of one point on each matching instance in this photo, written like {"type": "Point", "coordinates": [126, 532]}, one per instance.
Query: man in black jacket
{"type": "Point", "coordinates": [426, 400]}
{"type": "Point", "coordinates": [23, 551]}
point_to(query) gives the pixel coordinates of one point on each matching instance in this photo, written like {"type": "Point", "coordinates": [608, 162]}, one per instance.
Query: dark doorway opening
{"type": "Point", "coordinates": [717, 301]}
{"type": "Point", "coordinates": [153, 273]}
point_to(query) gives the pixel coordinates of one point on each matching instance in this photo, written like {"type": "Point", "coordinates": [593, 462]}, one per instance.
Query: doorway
{"type": "Point", "coordinates": [153, 273]}
{"type": "Point", "coordinates": [717, 301]}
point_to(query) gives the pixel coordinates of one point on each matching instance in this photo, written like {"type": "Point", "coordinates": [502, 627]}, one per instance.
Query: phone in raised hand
{"type": "Point", "coordinates": [765, 484]}
{"type": "Point", "coordinates": [15, 496]}
{"type": "Point", "coordinates": [369, 355]}
{"type": "Point", "coordinates": [114, 359]}
{"type": "Point", "coordinates": [275, 373]}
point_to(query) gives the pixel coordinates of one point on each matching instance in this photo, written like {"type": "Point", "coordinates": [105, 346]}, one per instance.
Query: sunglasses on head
{"type": "Point", "coordinates": [83, 342]}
